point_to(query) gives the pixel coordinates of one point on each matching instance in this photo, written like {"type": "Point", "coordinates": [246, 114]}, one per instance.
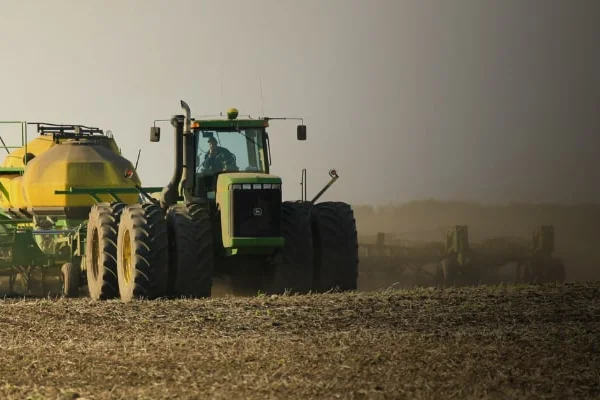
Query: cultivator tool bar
{"type": "Point", "coordinates": [112, 192]}
{"type": "Point", "coordinates": [456, 261]}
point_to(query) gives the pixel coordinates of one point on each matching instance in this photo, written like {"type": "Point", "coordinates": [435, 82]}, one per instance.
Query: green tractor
{"type": "Point", "coordinates": [222, 215]}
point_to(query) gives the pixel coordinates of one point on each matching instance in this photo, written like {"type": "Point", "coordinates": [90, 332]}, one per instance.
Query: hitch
{"type": "Point", "coordinates": [334, 177]}
{"type": "Point", "coordinates": [144, 193]}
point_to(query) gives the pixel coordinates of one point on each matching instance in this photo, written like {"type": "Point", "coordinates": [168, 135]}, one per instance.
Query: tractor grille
{"type": "Point", "coordinates": [256, 212]}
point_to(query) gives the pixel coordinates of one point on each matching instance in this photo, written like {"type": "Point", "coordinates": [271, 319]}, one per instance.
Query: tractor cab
{"type": "Point", "coordinates": [224, 163]}
{"type": "Point", "coordinates": [228, 146]}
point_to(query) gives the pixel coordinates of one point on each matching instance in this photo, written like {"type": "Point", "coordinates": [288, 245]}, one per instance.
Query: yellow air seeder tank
{"type": "Point", "coordinates": [87, 162]}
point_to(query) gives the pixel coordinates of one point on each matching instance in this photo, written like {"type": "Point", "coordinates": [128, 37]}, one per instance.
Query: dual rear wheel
{"type": "Point", "coordinates": [320, 253]}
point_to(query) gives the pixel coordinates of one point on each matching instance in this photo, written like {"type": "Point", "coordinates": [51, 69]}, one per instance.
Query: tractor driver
{"type": "Point", "coordinates": [218, 158]}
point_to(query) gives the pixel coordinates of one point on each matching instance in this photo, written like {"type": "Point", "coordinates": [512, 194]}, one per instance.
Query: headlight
{"type": "Point", "coordinates": [255, 186]}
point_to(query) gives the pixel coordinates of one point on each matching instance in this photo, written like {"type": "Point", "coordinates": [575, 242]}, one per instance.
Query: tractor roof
{"type": "Point", "coordinates": [230, 123]}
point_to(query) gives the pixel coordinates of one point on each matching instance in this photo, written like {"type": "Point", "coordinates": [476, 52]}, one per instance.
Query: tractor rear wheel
{"type": "Point", "coordinates": [292, 265]}
{"type": "Point", "coordinates": [70, 276]}
{"type": "Point", "coordinates": [142, 253]}
{"type": "Point", "coordinates": [335, 247]}
{"type": "Point", "coordinates": [101, 251]}
{"type": "Point", "coordinates": [191, 257]}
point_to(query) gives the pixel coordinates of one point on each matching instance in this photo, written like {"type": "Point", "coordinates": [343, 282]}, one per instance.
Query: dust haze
{"type": "Point", "coordinates": [473, 101]}
{"type": "Point", "coordinates": [433, 113]}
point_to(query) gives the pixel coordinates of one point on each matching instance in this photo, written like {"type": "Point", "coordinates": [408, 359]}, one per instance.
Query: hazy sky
{"type": "Point", "coordinates": [490, 101]}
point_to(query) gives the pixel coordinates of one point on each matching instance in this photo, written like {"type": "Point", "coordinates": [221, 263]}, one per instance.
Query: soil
{"type": "Point", "coordinates": [493, 342]}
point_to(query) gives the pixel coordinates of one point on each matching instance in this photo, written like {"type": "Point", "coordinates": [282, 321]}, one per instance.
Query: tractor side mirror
{"type": "Point", "coordinates": [301, 132]}
{"type": "Point", "coordinates": [155, 134]}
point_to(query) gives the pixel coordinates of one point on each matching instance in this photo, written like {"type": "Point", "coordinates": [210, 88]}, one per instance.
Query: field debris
{"type": "Point", "coordinates": [496, 342]}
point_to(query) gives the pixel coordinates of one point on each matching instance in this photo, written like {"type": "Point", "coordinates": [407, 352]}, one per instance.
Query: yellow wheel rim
{"type": "Point", "coordinates": [126, 258]}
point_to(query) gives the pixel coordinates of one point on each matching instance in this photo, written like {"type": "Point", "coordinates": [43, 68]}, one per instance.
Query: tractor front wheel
{"type": "Point", "coordinates": [335, 246]}
{"type": "Point", "coordinates": [292, 266]}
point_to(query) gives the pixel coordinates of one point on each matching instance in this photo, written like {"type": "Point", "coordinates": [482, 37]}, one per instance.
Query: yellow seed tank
{"type": "Point", "coordinates": [86, 162]}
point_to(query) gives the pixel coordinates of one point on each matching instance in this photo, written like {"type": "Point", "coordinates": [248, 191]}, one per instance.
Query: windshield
{"type": "Point", "coordinates": [230, 151]}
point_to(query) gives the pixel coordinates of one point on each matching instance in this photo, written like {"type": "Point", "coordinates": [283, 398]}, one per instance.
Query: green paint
{"type": "Point", "coordinates": [11, 170]}
{"type": "Point", "coordinates": [4, 191]}
{"type": "Point", "coordinates": [224, 203]}
{"type": "Point", "coordinates": [457, 243]}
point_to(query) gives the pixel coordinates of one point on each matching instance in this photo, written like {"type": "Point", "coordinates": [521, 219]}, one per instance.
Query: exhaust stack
{"type": "Point", "coordinates": [170, 193]}
{"type": "Point", "coordinates": [189, 152]}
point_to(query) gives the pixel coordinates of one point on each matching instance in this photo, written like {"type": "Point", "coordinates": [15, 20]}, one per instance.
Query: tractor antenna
{"type": "Point", "coordinates": [221, 72]}
{"type": "Point", "coordinates": [262, 102]}
{"type": "Point", "coordinates": [221, 98]}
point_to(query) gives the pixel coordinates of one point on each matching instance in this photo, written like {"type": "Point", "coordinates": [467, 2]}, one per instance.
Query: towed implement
{"type": "Point", "coordinates": [487, 261]}
{"type": "Point", "coordinates": [43, 225]}
{"type": "Point", "coordinates": [457, 261]}
{"type": "Point", "coordinates": [75, 208]}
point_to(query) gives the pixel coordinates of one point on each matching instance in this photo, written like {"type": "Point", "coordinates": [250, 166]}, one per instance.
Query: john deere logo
{"type": "Point", "coordinates": [257, 211]}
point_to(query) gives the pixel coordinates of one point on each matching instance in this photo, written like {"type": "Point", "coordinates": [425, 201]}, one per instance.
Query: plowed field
{"type": "Point", "coordinates": [501, 342]}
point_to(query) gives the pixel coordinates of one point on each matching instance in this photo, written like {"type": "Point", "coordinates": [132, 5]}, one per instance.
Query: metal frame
{"type": "Point", "coordinates": [479, 257]}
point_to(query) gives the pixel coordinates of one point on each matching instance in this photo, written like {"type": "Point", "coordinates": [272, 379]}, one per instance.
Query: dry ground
{"type": "Point", "coordinates": [502, 342]}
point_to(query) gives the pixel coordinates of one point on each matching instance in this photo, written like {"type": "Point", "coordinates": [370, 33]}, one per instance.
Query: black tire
{"type": "Point", "coordinates": [101, 251]}
{"type": "Point", "coordinates": [335, 247]}
{"type": "Point", "coordinates": [142, 253]}
{"type": "Point", "coordinates": [70, 276]}
{"type": "Point", "coordinates": [191, 254]}
{"type": "Point", "coordinates": [292, 266]}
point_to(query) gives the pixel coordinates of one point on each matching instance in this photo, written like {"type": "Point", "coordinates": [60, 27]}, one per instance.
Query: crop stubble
{"type": "Point", "coordinates": [498, 342]}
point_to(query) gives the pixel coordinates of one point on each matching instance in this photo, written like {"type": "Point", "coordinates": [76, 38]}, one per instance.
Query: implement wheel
{"type": "Point", "coordinates": [70, 276]}
{"type": "Point", "coordinates": [335, 247]}
{"type": "Point", "coordinates": [101, 251]}
{"type": "Point", "coordinates": [142, 253]}
{"type": "Point", "coordinates": [191, 258]}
